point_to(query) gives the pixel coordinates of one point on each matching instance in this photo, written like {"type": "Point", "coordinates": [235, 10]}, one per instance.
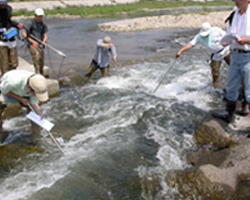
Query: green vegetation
{"type": "Point", "coordinates": [131, 9]}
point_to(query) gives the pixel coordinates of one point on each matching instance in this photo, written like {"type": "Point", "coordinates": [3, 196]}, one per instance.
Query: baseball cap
{"type": "Point", "coordinates": [38, 83]}
{"type": "Point", "coordinates": [107, 39]}
{"type": "Point", "coordinates": [205, 29]}
{"type": "Point", "coordinates": [39, 12]}
{"type": "Point", "coordinates": [3, 2]}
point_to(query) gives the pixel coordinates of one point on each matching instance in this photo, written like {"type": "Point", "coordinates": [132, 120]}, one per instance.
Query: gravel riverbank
{"type": "Point", "coordinates": [166, 21]}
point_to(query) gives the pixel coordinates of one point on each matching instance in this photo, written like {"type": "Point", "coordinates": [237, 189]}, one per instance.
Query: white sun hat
{"type": "Point", "coordinates": [39, 12]}
{"type": "Point", "coordinates": [205, 29]}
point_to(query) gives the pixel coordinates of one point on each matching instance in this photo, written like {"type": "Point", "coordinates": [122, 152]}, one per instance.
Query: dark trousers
{"type": "Point", "coordinates": [93, 67]}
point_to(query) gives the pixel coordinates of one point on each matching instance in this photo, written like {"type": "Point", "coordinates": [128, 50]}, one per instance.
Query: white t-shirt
{"type": "Point", "coordinates": [241, 27]}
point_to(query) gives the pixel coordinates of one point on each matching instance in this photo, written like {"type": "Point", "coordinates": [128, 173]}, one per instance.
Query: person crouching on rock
{"type": "Point", "coordinates": [105, 49]}
{"type": "Point", "coordinates": [26, 88]}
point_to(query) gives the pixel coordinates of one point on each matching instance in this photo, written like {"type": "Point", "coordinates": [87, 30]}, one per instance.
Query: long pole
{"type": "Point", "coordinates": [49, 133]}
{"type": "Point", "coordinates": [164, 76]}
{"type": "Point", "coordinates": [49, 46]}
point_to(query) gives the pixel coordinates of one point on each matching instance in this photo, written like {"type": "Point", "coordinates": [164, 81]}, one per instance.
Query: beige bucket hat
{"type": "Point", "coordinates": [39, 84]}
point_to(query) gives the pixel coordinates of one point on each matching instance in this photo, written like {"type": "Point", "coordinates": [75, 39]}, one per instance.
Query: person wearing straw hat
{"type": "Point", "coordinates": [210, 38]}
{"type": "Point", "coordinates": [24, 87]}
{"type": "Point", "coordinates": [105, 50]}
{"type": "Point", "coordinates": [36, 36]}
{"type": "Point", "coordinates": [8, 49]}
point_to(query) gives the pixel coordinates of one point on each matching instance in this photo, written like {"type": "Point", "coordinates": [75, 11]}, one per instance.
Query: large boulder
{"type": "Point", "coordinates": [205, 182]}
{"type": "Point", "coordinates": [211, 133]}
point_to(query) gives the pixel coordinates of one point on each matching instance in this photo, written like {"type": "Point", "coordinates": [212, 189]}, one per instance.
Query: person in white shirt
{"type": "Point", "coordinates": [105, 51]}
{"type": "Point", "coordinates": [210, 38]}
{"type": "Point", "coordinates": [239, 71]}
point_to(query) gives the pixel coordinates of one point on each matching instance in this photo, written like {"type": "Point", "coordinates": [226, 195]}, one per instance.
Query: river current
{"type": "Point", "coordinates": [116, 131]}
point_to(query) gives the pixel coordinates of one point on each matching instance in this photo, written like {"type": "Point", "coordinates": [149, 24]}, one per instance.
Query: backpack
{"type": "Point", "coordinates": [229, 19]}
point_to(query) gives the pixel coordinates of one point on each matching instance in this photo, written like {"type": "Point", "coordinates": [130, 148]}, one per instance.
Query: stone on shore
{"type": "Point", "coordinates": [219, 166]}
{"type": "Point", "coordinates": [211, 133]}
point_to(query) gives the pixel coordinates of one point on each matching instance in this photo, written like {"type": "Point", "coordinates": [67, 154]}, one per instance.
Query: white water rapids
{"type": "Point", "coordinates": [115, 132]}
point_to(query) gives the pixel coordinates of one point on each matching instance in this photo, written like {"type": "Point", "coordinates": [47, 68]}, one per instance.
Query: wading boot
{"type": "Point", "coordinates": [228, 114]}
{"type": "Point", "coordinates": [245, 109]}
{"type": "Point", "coordinates": [2, 135]}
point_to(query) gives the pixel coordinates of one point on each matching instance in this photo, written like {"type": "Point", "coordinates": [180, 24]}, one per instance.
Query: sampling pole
{"type": "Point", "coordinates": [49, 133]}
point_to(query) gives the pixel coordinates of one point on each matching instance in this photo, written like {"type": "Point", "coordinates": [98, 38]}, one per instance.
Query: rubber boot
{"type": "Point", "coordinates": [245, 109]}
{"type": "Point", "coordinates": [228, 114]}
{"type": "Point", "coordinates": [2, 135]}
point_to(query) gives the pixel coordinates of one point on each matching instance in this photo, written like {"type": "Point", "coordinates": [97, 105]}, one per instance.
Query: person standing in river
{"type": "Point", "coordinates": [239, 71]}
{"type": "Point", "coordinates": [8, 49]}
{"type": "Point", "coordinates": [210, 38]}
{"type": "Point", "coordinates": [105, 50]}
{"type": "Point", "coordinates": [36, 35]}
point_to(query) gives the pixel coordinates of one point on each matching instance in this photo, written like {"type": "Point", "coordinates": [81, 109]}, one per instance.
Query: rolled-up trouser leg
{"type": "Point", "coordinates": [35, 58]}
{"type": "Point", "coordinates": [4, 59]}
{"type": "Point", "coordinates": [92, 68]}
{"type": "Point", "coordinates": [41, 60]}
{"type": "Point", "coordinates": [105, 71]}
{"type": "Point", "coordinates": [13, 58]}
{"type": "Point", "coordinates": [215, 71]}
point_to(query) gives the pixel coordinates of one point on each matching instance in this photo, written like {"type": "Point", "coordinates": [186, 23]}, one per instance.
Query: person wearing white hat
{"type": "Point", "coordinates": [105, 50]}
{"type": "Point", "coordinates": [8, 49]}
{"type": "Point", "coordinates": [36, 35]}
{"type": "Point", "coordinates": [210, 38]}
{"type": "Point", "coordinates": [24, 87]}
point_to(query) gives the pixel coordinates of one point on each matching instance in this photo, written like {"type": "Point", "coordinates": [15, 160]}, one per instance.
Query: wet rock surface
{"type": "Point", "coordinates": [219, 166]}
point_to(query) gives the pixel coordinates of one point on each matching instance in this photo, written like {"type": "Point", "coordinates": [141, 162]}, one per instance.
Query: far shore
{"type": "Point", "coordinates": [191, 20]}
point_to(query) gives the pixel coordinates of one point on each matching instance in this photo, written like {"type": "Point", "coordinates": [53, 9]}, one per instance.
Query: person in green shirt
{"type": "Point", "coordinates": [24, 87]}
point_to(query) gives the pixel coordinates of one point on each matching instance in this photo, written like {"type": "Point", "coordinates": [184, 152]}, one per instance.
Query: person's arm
{"type": "Point", "coordinates": [45, 38]}
{"type": "Point", "coordinates": [114, 54]}
{"type": "Point", "coordinates": [33, 42]}
{"type": "Point", "coordinates": [107, 45]}
{"type": "Point", "coordinates": [243, 40]}
{"type": "Point", "coordinates": [36, 108]}
{"type": "Point", "coordinates": [185, 48]}
{"type": "Point", "coordinates": [22, 100]}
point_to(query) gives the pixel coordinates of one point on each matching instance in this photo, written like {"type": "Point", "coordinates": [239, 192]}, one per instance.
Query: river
{"type": "Point", "coordinates": [116, 132]}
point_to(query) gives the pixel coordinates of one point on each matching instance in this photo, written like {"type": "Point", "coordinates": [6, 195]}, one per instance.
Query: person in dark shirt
{"type": "Point", "coordinates": [8, 49]}
{"type": "Point", "coordinates": [36, 35]}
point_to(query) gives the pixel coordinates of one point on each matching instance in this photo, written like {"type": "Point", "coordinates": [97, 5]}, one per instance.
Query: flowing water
{"type": "Point", "coordinates": [116, 132]}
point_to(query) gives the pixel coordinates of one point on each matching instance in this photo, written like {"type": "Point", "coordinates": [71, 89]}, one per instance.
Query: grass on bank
{"type": "Point", "coordinates": [133, 8]}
